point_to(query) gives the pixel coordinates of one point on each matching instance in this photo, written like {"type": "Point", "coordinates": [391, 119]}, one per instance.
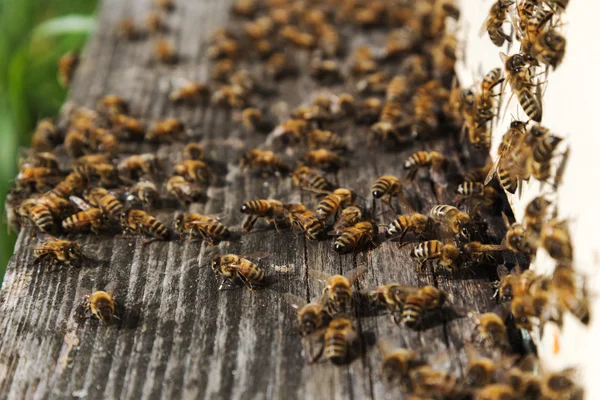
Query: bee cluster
{"type": "Point", "coordinates": [398, 94]}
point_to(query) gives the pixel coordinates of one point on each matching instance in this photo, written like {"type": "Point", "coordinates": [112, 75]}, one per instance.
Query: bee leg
{"type": "Point", "coordinates": [246, 282]}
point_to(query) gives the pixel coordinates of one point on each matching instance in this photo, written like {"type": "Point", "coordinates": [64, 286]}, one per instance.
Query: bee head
{"type": "Point", "coordinates": [245, 209]}
{"type": "Point", "coordinates": [216, 263]}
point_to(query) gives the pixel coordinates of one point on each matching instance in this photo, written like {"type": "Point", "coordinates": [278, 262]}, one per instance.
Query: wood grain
{"type": "Point", "coordinates": [181, 337]}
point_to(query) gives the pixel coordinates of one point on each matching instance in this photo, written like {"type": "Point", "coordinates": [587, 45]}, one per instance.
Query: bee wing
{"type": "Point", "coordinates": [256, 255]}
{"type": "Point", "coordinates": [354, 274]}
{"type": "Point", "coordinates": [438, 176]}
{"type": "Point", "coordinates": [79, 203]}
{"type": "Point", "coordinates": [319, 275]}
{"type": "Point", "coordinates": [502, 271]}
{"type": "Point", "coordinates": [296, 302]}
{"type": "Point", "coordinates": [110, 287]}
{"type": "Point", "coordinates": [507, 223]}
{"type": "Point", "coordinates": [484, 26]}
{"type": "Point", "coordinates": [492, 171]}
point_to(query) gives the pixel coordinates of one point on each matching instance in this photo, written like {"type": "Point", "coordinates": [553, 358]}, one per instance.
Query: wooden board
{"type": "Point", "coordinates": [181, 336]}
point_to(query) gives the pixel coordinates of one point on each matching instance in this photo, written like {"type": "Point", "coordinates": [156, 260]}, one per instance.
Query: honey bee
{"type": "Point", "coordinates": [44, 159]}
{"type": "Point", "coordinates": [325, 71]}
{"type": "Point", "coordinates": [107, 174]}
{"type": "Point", "coordinates": [495, 391]}
{"type": "Point", "coordinates": [127, 29]}
{"type": "Point", "coordinates": [363, 61]}
{"type": "Point", "coordinates": [334, 202]}
{"type": "Point", "coordinates": [303, 220]}
{"type": "Point", "coordinates": [166, 5]}
{"type": "Point", "coordinates": [349, 217]}
{"type": "Point", "coordinates": [233, 96]}
{"type": "Point", "coordinates": [203, 226]}
{"type": "Point", "coordinates": [513, 283]}
{"type": "Point", "coordinates": [270, 210]}
{"type": "Point", "coordinates": [194, 171]}
{"type": "Point", "coordinates": [338, 340]}
{"type": "Point", "coordinates": [38, 213]}
{"type": "Point", "coordinates": [451, 218]}
{"type": "Point", "coordinates": [93, 219]}
{"type": "Point", "coordinates": [375, 83]}
{"type": "Point", "coordinates": [100, 306]}
{"type": "Point", "coordinates": [393, 296]}
{"type": "Point", "coordinates": [417, 304]}
{"type": "Point", "coordinates": [387, 185]}
{"type": "Point", "coordinates": [263, 162]}
{"type": "Point", "coordinates": [445, 255]}
{"type": "Point", "coordinates": [66, 67]}
{"type": "Point", "coordinates": [432, 159]}
{"type": "Point", "coordinates": [306, 177]}
{"type": "Point", "coordinates": [485, 195]}
{"type": "Point", "coordinates": [563, 284]}
{"type": "Point", "coordinates": [476, 251]}
{"type": "Point", "coordinates": [493, 23]}
{"type": "Point", "coordinates": [521, 83]}
{"type": "Point", "coordinates": [556, 240]}
{"type": "Point", "coordinates": [279, 66]}
{"type": "Point", "coordinates": [76, 143]}
{"type": "Point", "coordinates": [101, 198]}
{"type": "Point", "coordinates": [128, 128]}
{"type": "Point", "coordinates": [102, 141]}
{"type": "Point", "coordinates": [165, 131]}
{"type": "Point", "coordinates": [140, 222]}
{"type": "Point", "coordinates": [291, 131]}
{"type": "Point", "coordinates": [184, 191]}
{"type": "Point", "coordinates": [398, 89]}
{"type": "Point", "coordinates": [338, 288]}
{"type": "Point", "coordinates": [191, 92]}
{"type": "Point", "coordinates": [232, 267]}
{"type": "Point", "coordinates": [397, 363]}
{"type": "Point", "coordinates": [74, 183]}
{"type": "Point", "coordinates": [428, 381]}
{"type": "Point", "coordinates": [480, 370]}
{"type": "Point", "coordinates": [303, 40]}
{"type": "Point", "coordinates": [222, 70]}
{"type": "Point", "coordinates": [491, 328]}
{"type": "Point", "coordinates": [535, 214]}
{"type": "Point", "coordinates": [193, 151]}
{"type": "Point", "coordinates": [58, 252]}
{"type": "Point", "coordinates": [414, 222]}
{"type": "Point", "coordinates": [254, 121]}
{"type": "Point", "coordinates": [368, 111]}
{"type": "Point", "coordinates": [35, 178]}
{"type": "Point", "coordinates": [561, 385]}
{"type": "Point", "coordinates": [317, 138]}
{"type": "Point", "coordinates": [311, 316]}
{"type": "Point", "coordinates": [355, 238]}
{"type": "Point", "coordinates": [227, 48]}
{"type": "Point", "coordinates": [112, 105]}
{"type": "Point", "coordinates": [165, 52]}
{"type": "Point", "coordinates": [155, 23]}
{"type": "Point", "coordinates": [45, 137]}
{"type": "Point", "coordinates": [146, 192]}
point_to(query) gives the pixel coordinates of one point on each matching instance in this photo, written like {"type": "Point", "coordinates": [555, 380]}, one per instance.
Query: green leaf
{"type": "Point", "coordinates": [73, 23]}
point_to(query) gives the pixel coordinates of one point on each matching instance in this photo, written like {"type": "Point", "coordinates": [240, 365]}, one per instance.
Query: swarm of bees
{"type": "Point", "coordinates": [90, 174]}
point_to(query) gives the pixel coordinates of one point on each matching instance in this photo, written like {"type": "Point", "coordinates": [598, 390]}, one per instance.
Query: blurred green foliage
{"type": "Point", "coordinates": [33, 36]}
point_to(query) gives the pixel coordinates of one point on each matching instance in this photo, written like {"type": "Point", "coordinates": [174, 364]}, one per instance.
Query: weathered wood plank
{"type": "Point", "coordinates": [180, 336]}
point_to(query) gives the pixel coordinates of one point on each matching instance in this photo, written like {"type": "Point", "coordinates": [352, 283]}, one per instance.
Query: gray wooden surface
{"type": "Point", "coordinates": [181, 337]}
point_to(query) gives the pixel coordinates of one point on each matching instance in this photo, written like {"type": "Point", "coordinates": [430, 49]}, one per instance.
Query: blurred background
{"type": "Point", "coordinates": [33, 36]}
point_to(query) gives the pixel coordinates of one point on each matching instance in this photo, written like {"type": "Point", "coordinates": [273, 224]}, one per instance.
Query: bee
{"type": "Point", "coordinates": [222, 70]}
{"type": "Point", "coordinates": [338, 288]}
{"type": "Point", "coordinates": [334, 202]}
{"type": "Point", "coordinates": [556, 240]}
{"type": "Point", "coordinates": [563, 284]}
{"type": "Point", "coordinates": [112, 105]}
{"type": "Point", "coordinates": [542, 143]}
{"type": "Point", "coordinates": [140, 222]}
{"type": "Point", "coordinates": [35, 178]}
{"type": "Point", "coordinates": [146, 192]}
{"type": "Point", "coordinates": [233, 96]}
{"type": "Point", "coordinates": [480, 370]}
{"type": "Point", "coordinates": [477, 175]}
{"type": "Point", "coordinates": [263, 162]}
{"type": "Point", "coordinates": [76, 143]}
{"type": "Point", "coordinates": [99, 306]}
{"type": "Point", "coordinates": [44, 159]}
{"type": "Point", "coordinates": [128, 128]}
{"type": "Point", "coordinates": [513, 284]}
{"type": "Point", "coordinates": [279, 66]}
{"type": "Point", "coordinates": [194, 171]}
{"type": "Point", "coordinates": [349, 217]}
{"type": "Point", "coordinates": [107, 174]}
{"type": "Point", "coordinates": [535, 213]}
{"type": "Point", "coordinates": [413, 222]}
{"type": "Point", "coordinates": [254, 121]}
{"type": "Point", "coordinates": [311, 316]}
{"type": "Point", "coordinates": [512, 137]}
{"type": "Point", "coordinates": [45, 137]}
{"type": "Point", "coordinates": [413, 309]}
{"type": "Point", "coordinates": [495, 391]}
{"type": "Point", "coordinates": [368, 111]}
{"type": "Point", "coordinates": [291, 131]}
{"type": "Point", "coordinates": [184, 191]}
{"type": "Point", "coordinates": [165, 131]}
{"type": "Point", "coordinates": [493, 23]}
{"type": "Point", "coordinates": [521, 83]}
{"type": "Point", "coordinates": [431, 159]}
{"type": "Point", "coordinates": [165, 52]}
{"type": "Point", "coordinates": [391, 124]}
{"type": "Point", "coordinates": [193, 151]}
{"type": "Point", "coordinates": [165, 5]}
{"type": "Point", "coordinates": [393, 296]}
{"type": "Point", "coordinates": [303, 40]}
{"type": "Point", "coordinates": [345, 105]}
{"type": "Point", "coordinates": [155, 23]}
{"type": "Point", "coordinates": [38, 213]}
{"type": "Point", "coordinates": [397, 363]}
{"type": "Point", "coordinates": [317, 138]}
{"type": "Point", "coordinates": [476, 251]}
{"type": "Point", "coordinates": [485, 195]}
{"type": "Point", "coordinates": [303, 220]}
{"type": "Point", "coordinates": [375, 83]}
{"type": "Point", "coordinates": [94, 219]}
{"type": "Point", "coordinates": [445, 255]}
{"type": "Point", "coordinates": [203, 226]}
{"type": "Point", "coordinates": [231, 267]}
{"type": "Point", "coordinates": [356, 237]}
{"type": "Point", "coordinates": [258, 29]}
{"type": "Point", "coordinates": [306, 177]}
{"type": "Point", "coordinates": [561, 385]}
{"type": "Point", "coordinates": [427, 381]}
{"type": "Point", "coordinates": [127, 29]}
{"type": "Point", "coordinates": [452, 218]}
{"type": "Point", "coordinates": [398, 89]}
{"type": "Point", "coordinates": [228, 48]}
{"type": "Point", "coordinates": [363, 61]}
{"type": "Point", "coordinates": [55, 252]}
{"type": "Point", "coordinates": [101, 198]}
{"type": "Point", "coordinates": [491, 328]}
{"type": "Point", "coordinates": [338, 340]}
{"type": "Point", "coordinates": [66, 67]}
{"type": "Point", "coordinates": [74, 183]}
{"type": "Point", "coordinates": [325, 71]}
{"type": "Point", "coordinates": [270, 210]}
{"type": "Point", "coordinates": [102, 141]}
{"type": "Point", "coordinates": [191, 92]}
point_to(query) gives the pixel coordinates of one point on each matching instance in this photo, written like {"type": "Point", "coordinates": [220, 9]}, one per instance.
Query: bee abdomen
{"type": "Point", "coordinates": [42, 218]}
{"type": "Point", "coordinates": [156, 228]}
{"type": "Point", "coordinates": [507, 181]}
{"type": "Point", "coordinates": [328, 206]}
{"type": "Point", "coordinates": [400, 224]}
{"type": "Point", "coordinates": [420, 158]}
{"type": "Point", "coordinates": [114, 207]}
{"type": "Point", "coordinates": [411, 313]}
{"type": "Point", "coordinates": [530, 105]}
{"type": "Point", "coordinates": [336, 348]}
{"type": "Point", "coordinates": [314, 229]}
